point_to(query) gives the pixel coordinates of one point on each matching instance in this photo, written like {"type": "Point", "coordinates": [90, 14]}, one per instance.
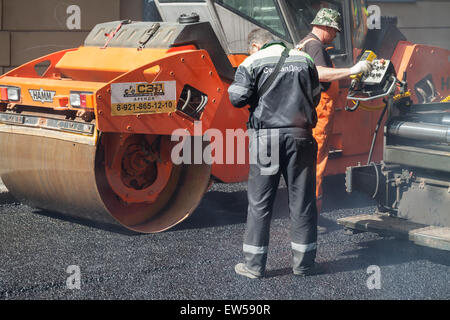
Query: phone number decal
{"type": "Point", "coordinates": [129, 98]}
{"type": "Point", "coordinates": [125, 109]}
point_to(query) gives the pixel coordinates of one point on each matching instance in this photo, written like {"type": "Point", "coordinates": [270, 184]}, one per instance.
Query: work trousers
{"type": "Point", "coordinates": [322, 134]}
{"type": "Point", "coordinates": [296, 161]}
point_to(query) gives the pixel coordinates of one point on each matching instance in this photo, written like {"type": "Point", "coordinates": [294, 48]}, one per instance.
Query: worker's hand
{"type": "Point", "coordinates": [362, 66]}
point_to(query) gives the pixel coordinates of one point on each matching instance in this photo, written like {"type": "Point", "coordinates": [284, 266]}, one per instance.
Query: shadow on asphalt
{"type": "Point", "coordinates": [380, 252]}
{"type": "Point", "coordinates": [7, 198]}
{"type": "Point", "coordinates": [87, 223]}
{"type": "Point", "coordinates": [335, 196]}
{"type": "Point", "coordinates": [217, 209]}
{"type": "Point", "coordinates": [220, 208]}
{"type": "Point", "coordinates": [278, 272]}
{"type": "Point", "coordinates": [386, 252]}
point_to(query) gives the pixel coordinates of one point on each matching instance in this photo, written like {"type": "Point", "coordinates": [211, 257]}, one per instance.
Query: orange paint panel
{"type": "Point", "coordinates": [420, 61]}
{"type": "Point", "coordinates": [28, 70]}
{"type": "Point", "coordinates": [236, 59]}
{"type": "Point", "coordinates": [59, 87]}
{"type": "Point", "coordinates": [104, 65]}
{"type": "Point", "coordinates": [193, 68]}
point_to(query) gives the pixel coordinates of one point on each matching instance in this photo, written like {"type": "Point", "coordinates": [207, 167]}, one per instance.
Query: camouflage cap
{"type": "Point", "coordinates": [329, 18]}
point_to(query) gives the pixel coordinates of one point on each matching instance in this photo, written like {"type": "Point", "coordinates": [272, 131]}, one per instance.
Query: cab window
{"type": "Point", "coordinates": [264, 13]}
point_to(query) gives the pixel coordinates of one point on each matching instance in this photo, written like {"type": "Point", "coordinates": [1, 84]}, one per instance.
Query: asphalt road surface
{"type": "Point", "coordinates": [41, 256]}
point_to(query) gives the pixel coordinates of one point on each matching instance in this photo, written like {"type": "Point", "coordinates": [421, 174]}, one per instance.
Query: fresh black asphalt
{"type": "Point", "coordinates": [195, 260]}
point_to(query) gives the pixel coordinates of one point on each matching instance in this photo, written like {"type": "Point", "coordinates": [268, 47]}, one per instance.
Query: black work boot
{"type": "Point", "coordinates": [315, 269]}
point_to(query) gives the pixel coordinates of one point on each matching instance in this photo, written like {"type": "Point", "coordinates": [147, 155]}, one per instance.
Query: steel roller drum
{"type": "Point", "coordinates": [65, 173]}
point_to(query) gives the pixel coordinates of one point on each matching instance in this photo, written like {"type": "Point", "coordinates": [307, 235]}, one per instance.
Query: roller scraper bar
{"type": "Point", "coordinates": [420, 131]}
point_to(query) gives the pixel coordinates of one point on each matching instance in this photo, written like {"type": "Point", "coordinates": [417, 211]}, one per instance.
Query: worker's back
{"type": "Point", "coordinates": [290, 101]}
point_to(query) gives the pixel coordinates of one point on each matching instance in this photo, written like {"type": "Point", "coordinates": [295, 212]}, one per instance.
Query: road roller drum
{"type": "Point", "coordinates": [68, 176]}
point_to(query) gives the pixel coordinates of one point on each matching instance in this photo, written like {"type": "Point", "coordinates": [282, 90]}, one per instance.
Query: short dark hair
{"type": "Point", "coordinates": [259, 36]}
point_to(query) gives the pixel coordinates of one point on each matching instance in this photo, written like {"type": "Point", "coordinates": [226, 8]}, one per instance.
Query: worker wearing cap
{"type": "Point", "coordinates": [325, 26]}
{"type": "Point", "coordinates": [282, 87]}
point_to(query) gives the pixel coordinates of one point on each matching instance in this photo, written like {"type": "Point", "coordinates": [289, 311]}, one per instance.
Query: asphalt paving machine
{"type": "Point", "coordinates": [92, 136]}
{"type": "Point", "coordinates": [411, 185]}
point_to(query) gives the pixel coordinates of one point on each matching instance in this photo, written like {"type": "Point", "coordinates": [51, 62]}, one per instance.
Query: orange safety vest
{"type": "Point", "coordinates": [323, 130]}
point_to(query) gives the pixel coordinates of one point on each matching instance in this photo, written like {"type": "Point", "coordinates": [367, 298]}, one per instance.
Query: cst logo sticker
{"type": "Point", "coordinates": [145, 89]}
{"type": "Point", "coordinates": [130, 98]}
{"type": "Point", "coordinates": [42, 95]}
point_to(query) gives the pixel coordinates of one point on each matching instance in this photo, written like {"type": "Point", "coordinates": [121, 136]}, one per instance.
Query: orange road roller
{"type": "Point", "coordinates": [91, 137]}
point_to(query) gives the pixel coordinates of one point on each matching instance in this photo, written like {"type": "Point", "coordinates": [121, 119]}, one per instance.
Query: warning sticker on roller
{"type": "Point", "coordinates": [142, 97]}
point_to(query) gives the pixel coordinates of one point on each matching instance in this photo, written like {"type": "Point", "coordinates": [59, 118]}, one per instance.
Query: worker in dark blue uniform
{"type": "Point", "coordinates": [282, 88]}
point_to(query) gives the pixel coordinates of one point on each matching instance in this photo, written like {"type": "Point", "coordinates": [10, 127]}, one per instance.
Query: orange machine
{"type": "Point", "coordinates": [93, 136]}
